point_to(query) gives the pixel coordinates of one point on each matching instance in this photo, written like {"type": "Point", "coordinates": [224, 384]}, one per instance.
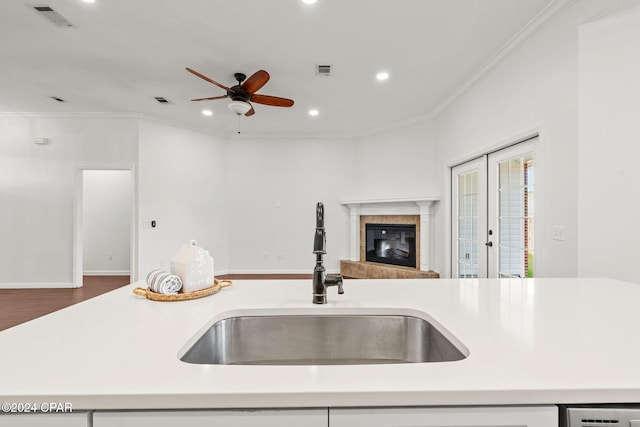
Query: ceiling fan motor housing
{"type": "Point", "coordinates": [237, 93]}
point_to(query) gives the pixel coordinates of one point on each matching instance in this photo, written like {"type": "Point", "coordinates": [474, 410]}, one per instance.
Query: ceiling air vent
{"type": "Point", "coordinates": [323, 70]}
{"type": "Point", "coordinates": [162, 100]}
{"type": "Point", "coordinates": [51, 15]}
{"type": "Point", "coordinates": [55, 98]}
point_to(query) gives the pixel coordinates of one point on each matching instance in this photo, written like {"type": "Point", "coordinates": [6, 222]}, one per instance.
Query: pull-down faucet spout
{"type": "Point", "coordinates": [320, 279]}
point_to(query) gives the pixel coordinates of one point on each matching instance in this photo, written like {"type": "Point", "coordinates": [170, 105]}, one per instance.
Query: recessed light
{"type": "Point", "coordinates": [382, 76]}
{"type": "Point", "coordinates": [309, 1]}
{"type": "Point", "coordinates": [313, 112]}
{"type": "Point", "coordinates": [89, 1]}
{"type": "Point", "coordinates": [207, 113]}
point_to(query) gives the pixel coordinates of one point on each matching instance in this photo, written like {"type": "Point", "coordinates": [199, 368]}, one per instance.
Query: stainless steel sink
{"type": "Point", "coordinates": [318, 339]}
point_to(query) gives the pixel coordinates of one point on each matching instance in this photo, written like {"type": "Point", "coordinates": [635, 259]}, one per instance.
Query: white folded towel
{"type": "Point", "coordinates": [163, 282]}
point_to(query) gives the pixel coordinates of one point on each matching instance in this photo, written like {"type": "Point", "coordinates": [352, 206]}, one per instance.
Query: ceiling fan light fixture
{"type": "Point", "coordinates": [239, 107]}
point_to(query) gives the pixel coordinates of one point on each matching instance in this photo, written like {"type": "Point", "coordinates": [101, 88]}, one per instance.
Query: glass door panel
{"type": "Point", "coordinates": [468, 217]}
{"type": "Point", "coordinates": [511, 219]}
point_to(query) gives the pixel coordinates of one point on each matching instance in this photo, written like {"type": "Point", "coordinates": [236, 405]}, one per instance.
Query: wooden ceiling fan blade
{"type": "Point", "coordinates": [256, 81]}
{"type": "Point", "coordinates": [251, 112]}
{"type": "Point", "coordinates": [271, 100]}
{"type": "Point", "coordinates": [211, 98]}
{"type": "Point", "coordinates": [202, 76]}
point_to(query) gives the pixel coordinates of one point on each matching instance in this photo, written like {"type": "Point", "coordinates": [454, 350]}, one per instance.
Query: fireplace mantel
{"type": "Point", "coordinates": [406, 206]}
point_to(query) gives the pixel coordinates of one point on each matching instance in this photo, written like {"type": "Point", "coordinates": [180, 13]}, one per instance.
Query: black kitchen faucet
{"type": "Point", "coordinates": [320, 279]}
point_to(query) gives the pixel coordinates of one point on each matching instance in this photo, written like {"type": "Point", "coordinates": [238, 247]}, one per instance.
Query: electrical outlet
{"type": "Point", "coordinates": [280, 256]}
{"type": "Point", "coordinates": [559, 233]}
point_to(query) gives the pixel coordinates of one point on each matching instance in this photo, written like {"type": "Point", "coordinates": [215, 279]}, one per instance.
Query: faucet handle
{"type": "Point", "coordinates": [333, 280]}
{"type": "Point", "coordinates": [320, 215]}
{"type": "Point", "coordinates": [320, 242]}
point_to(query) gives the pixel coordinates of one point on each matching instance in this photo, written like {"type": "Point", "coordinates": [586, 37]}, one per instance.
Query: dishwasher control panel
{"type": "Point", "coordinates": [626, 415]}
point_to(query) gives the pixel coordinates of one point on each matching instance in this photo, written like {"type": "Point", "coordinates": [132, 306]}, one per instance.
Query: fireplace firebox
{"type": "Point", "coordinates": [391, 244]}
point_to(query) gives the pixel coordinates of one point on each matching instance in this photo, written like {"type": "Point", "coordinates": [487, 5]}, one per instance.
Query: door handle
{"type": "Point", "coordinates": [489, 244]}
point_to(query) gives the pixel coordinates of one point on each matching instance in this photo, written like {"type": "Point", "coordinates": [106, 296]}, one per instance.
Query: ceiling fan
{"type": "Point", "coordinates": [245, 91]}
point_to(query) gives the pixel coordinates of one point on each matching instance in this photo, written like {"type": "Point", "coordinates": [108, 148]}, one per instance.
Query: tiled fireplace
{"type": "Point", "coordinates": [399, 242]}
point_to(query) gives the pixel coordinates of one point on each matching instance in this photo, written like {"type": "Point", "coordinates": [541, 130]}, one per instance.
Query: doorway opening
{"type": "Point", "coordinates": [104, 224]}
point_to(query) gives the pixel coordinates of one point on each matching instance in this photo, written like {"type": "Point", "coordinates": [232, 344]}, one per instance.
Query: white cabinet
{"type": "Point", "coordinates": [75, 419]}
{"type": "Point", "coordinates": [506, 416]}
{"type": "Point", "coordinates": [503, 416]}
{"type": "Point", "coordinates": [213, 418]}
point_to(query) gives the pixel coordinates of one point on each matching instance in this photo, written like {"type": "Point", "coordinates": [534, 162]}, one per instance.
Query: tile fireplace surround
{"type": "Point", "coordinates": [390, 211]}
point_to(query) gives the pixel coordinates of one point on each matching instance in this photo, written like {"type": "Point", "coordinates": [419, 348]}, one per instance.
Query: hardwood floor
{"type": "Point", "coordinates": [21, 305]}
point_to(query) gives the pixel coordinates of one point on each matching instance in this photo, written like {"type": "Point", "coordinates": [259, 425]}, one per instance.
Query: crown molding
{"type": "Point", "coordinates": [70, 115]}
{"type": "Point", "coordinates": [182, 124]}
{"type": "Point", "coordinates": [553, 9]}
{"type": "Point", "coordinates": [541, 20]}
{"type": "Point", "coordinates": [289, 136]}
{"type": "Point", "coordinates": [231, 135]}
{"type": "Point", "coordinates": [397, 125]}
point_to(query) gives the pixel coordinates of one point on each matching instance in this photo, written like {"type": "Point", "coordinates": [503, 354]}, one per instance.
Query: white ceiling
{"type": "Point", "coordinates": [120, 54]}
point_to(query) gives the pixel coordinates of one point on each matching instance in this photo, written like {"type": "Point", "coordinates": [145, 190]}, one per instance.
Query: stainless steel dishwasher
{"type": "Point", "coordinates": [623, 415]}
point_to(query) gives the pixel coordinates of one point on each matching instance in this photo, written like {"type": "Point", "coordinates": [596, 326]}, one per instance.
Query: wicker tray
{"type": "Point", "coordinates": [217, 286]}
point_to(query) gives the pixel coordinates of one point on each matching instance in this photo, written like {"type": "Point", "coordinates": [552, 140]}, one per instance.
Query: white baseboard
{"type": "Point", "coordinates": [107, 273]}
{"type": "Point", "coordinates": [37, 285]}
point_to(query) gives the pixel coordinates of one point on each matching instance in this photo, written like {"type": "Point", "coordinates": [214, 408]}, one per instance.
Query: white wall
{"type": "Point", "coordinates": [610, 147]}
{"type": "Point", "coordinates": [107, 202]}
{"type": "Point", "coordinates": [250, 202]}
{"type": "Point", "coordinates": [535, 87]}
{"type": "Point", "coordinates": [396, 163]}
{"type": "Point", "coordinates": [183, 186]}
{"type": "Point", "coordinates": [274, 187]}
{"type": "Point", "coordinates": [37, 185]}
{"type": "Point", "coordinates": [276, 183]}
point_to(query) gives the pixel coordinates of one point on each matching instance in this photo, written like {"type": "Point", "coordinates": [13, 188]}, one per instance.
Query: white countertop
{"type": "Point", "coordinates": [538, 341]}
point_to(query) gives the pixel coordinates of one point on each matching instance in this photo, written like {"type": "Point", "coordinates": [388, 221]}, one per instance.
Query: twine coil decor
{"type": "Point", "coordinates": [217, 286]}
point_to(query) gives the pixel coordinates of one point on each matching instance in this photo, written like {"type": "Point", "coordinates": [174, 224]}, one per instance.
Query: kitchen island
{"type": "Point", "coordinates": [529, 342]}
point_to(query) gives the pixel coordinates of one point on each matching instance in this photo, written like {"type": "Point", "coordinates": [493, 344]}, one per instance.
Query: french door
{"type": "Point", "coordinates": [492, 214]}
